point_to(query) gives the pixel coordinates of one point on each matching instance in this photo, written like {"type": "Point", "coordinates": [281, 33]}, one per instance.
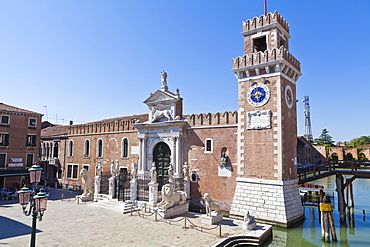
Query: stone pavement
{"type": "Point", "coordinates": [85, 224]}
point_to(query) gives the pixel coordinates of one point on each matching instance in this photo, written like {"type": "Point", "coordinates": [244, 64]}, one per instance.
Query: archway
{"type": "Point", "coordinates": [162, 159]}
{"type": "Point", "coordinates": [348, 157]}
{"type": "Point", "coordinates": [334, 157]}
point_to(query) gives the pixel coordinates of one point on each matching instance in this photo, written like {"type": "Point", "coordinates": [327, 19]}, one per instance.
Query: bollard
{"type": "Point", "coordinates": [155, 216]}
{"type": "Point", "coordinates": [185, 222]}
{"type": "Point", "coordinates": [219, 233]}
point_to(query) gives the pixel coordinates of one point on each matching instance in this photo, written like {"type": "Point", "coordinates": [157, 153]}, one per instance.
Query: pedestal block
{"type": "Point", "coordinates": [174, 211]}
{"type": "Point", "coordinates": [213, 219]}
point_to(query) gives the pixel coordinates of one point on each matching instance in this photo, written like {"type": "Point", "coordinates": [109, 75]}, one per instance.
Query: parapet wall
{"type": "Point", "coordinates": [260, 57]}
{"type": "Point", "coordinates": [114, 125]}
{"type": "Point", "coordinates": [213, 119]}
{"type": "Point", "coordinates": [265, 20]}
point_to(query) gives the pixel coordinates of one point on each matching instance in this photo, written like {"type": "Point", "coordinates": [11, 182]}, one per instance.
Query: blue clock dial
{"type": "Point", "coordinates": [258, 94]}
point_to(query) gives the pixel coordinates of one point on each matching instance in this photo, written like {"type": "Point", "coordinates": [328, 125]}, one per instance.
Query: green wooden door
{"type": "Point", "coordinates": [162, 159]}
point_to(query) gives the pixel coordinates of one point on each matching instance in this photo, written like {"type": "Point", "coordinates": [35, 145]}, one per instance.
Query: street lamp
{"type": "Point", "coordinates": [37, 203]}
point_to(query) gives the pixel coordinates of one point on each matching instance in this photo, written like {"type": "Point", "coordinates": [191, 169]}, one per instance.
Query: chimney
{"type": "Point", "coordinates": [70, 122]}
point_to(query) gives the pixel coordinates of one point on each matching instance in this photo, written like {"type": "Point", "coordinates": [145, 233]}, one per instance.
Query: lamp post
{"type": "Point", "coordinates": [37, 203]}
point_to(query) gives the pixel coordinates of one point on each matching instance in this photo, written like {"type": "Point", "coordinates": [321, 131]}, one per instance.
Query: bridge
{"type": "Point", "coordinates": [354, 168]}
{"type": "Point", "coordinates": [357, 168]}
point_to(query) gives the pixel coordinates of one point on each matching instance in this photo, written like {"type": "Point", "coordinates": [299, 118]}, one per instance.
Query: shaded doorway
{"type": "Point", "coordinates": [162, 159]}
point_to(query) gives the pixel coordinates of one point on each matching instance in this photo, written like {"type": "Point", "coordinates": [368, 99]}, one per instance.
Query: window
{"type": "Point", "coordinates": [4, 139]}
{"type": "Point", "coordinates": [99, 150]}
{"type": "Point", "coordinates": [87, 148]}
{"type": "Point", "coordinates": [2, 160]}
{"type": "Point", "coordinates": [125, 148]}
{"type": "Point", "coordinates": [86, 167]}
{"type": "Point", "coordinates": [209, 146]}
{"type": "Point", "coordinates": [259, 44]}
{"type": "Point", "coordinates": [56, 150]}
{"type": "Point", "coordinates": [70, 148]}
{"type": "Point", "coordinates": [5, 120]}
{"type": "Point", "coordinates": [32, 122]}
{"type": "Point", "coordinates": [72, 171]}
{"type": "Point", "coordinates": [194, 177]}
{"type": "Point", "coordinates": [29, 160]}
{"type": "Point", "coordinates": [31, 140]}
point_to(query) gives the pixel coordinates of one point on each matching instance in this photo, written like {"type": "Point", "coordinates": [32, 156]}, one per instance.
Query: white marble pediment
{"type": "Point", "coordinates": [160, 97]}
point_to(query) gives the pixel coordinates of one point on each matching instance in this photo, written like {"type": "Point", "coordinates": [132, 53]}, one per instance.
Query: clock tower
{"type": "Point", "coordinates": [267, 73]}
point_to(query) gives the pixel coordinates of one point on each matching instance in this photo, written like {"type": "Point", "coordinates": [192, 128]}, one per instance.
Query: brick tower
{"type": "Point", "coordinates": [267, 183]}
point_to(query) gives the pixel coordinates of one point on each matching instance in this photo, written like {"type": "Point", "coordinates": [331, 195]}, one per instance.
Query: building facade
{"type": "Point", "coordinates": [244, 159]}
{"type": "Point", "coordinates": [19, 143]}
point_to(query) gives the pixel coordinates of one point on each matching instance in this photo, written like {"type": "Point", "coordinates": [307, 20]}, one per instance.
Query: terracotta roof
{"type": "Point", "coordinates": [4, 108]}
{"type": "Point", "coordinates": [57, 130]}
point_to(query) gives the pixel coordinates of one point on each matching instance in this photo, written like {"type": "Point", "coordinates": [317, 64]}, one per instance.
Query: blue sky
{"type": "Point", "coordinates": [90, 60]}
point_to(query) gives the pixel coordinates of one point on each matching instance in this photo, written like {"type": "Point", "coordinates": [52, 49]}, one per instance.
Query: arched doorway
{"type": "Point", "coordinates": [162, 159]}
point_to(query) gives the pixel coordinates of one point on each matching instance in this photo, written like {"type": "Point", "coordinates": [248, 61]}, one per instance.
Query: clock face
{"type": "Point", "coordinates": [289, 96]}
{"type": "Point", "coordinates": [258, 95]}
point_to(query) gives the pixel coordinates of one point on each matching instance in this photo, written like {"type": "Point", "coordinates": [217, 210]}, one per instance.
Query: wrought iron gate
{"type": "Point", "coordinates": [143, 188]}
{"type": "Point", "coordinates": [123, 186]}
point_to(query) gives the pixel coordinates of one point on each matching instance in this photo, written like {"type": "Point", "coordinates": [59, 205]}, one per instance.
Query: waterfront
{"type": "Point", "coordinates": [308, 233]}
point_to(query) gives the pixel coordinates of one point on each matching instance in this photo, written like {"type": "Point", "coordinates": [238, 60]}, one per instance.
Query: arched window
{"type": "Point", "coordinates": [124, 148]}
{"type": "Point", "coordinates": [334, 156]}
{"type": "Point", "coordinates": [56, 149]}
{"type": "Point", "coordinates": [99, 149]}
{"type": "Point", "coordinates": [87, 148]}
{"type": "Point", "coordinates": [70, 148]}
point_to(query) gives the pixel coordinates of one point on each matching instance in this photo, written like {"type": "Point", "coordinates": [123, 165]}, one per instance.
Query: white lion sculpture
{"type": "Point", "coordinates": [210, 205]}
{"type": "Point", "coordinates": [87, 182]}
{"type": "Point", "coordinates": [171, 198]}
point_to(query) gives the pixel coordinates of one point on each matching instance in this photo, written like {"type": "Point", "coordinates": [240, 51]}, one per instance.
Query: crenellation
{"type": "Point", "coordinates": [264, 20]}
{"type": "Point", "coordinates": [273, 55]}
{"type": "Point", "coordinates": [213, 119]}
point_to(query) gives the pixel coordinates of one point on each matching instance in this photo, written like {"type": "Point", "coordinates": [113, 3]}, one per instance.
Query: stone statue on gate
{"type": "Point", "coordinates": [87, 182]}
{"type": "Point", "coordinates": [153, 174]}
{"type": "Point", "coordinates": [164, 80]}
{"type": "Point", "coordinates": [223, 159]}
{"type": "Point", "coordinates": [99, 170]}
{"type": "Point", "coordinates": [186, 170]}
{"type": "Point", "coordinates": [114, 169]}
{"type": "Point", "coordinates": [133, 171]}
{"type": "Point", "coordinates": [170, 173]}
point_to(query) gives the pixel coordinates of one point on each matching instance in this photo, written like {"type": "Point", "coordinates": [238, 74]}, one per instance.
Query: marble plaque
{"type": "Point", "coordinates": [259, 120]}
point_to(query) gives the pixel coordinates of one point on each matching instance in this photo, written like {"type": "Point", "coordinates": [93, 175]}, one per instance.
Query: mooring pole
{"type": "Point", "coordinates": [341, 202]}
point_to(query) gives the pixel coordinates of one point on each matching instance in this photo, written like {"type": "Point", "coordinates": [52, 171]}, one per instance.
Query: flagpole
{"type": "Point", "coordinates": [265, 7]}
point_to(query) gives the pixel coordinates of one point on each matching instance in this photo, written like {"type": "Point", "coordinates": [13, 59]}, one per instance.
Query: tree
{"type": "Point", "coordinates": [362, 140]}
{"type": "Point", "coordinates": [324, 139]}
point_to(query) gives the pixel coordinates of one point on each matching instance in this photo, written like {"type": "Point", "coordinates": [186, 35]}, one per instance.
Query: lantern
{"type": "Point", "coordinates": [41, 200]}
{"type": "Point", "coordinates": [24, 196]}
{"type": "Point", "coordinates": [35, 173]}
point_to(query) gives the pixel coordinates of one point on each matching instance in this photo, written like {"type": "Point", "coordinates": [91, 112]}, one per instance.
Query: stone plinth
{"type": "Point", "coordinates": [174, 211]}
{"type": "Point", "coordinates": [213, 219]}
{"type": "Point", "coordinates": [97, 187]}
{"type": "Point", "coordinates": [270, 201]}
{"type": "Point", "coordinates": [133, 189]}
{"type": "Point", "coordinates": [112, 187]}
{"type": "Point", "coordinates": [153, 193]}
{"type": "Point", "coordinates": [85, 198]}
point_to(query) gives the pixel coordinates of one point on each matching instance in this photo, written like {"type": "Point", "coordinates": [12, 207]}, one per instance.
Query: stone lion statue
{"type": "Point", "coordinates": [210, 204]}
{"type": "Point", "coordinates": [87, 182]}
{"type": "Point", "coordinates": [171, 198]}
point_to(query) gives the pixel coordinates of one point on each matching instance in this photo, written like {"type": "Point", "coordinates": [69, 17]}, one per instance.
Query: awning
{"type": "Point", "coordinates": [10, 173]}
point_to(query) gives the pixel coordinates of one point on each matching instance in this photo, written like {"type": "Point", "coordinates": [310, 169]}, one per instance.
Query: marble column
{"type": "Point", "coordinates": [97, 187]}
{"type": "Point", "coordinates": [112, 187]}
{"type": "Point", "coordinates": [133, 190]}
{"type": "Point", "coordinates": [173, 157]}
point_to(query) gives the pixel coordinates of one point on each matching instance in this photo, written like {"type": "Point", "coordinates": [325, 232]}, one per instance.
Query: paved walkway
{"type": "Point", "coordinates": [85, 224]}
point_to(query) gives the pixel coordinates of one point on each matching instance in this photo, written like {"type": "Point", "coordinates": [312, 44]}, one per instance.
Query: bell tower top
{"type": "Point", "coordinates": [265, 33]}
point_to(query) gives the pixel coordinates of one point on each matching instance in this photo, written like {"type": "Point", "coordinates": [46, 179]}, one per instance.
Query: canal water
{"type": "Point", "coordinates": [308, 233]}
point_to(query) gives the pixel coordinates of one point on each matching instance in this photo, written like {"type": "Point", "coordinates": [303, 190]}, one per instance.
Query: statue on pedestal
{"type": "Point", "coordinates": [87, 182]}
{"type": "Point", "coordinates": [249, 222]}
{"type": "Point", "coordinates": [153, 174]}
{"type": "Point", "coordinates": [99, 170]}
{"type": "Point", "coordinates": [171, 197]}
{"type": "Point", "coordinates": [210, 205]}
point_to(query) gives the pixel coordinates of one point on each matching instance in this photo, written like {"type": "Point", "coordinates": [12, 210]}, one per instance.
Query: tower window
{"type": "Point", "coordinates": [208, 145]}
{"type": "Point", "coordinates": [259, 44]}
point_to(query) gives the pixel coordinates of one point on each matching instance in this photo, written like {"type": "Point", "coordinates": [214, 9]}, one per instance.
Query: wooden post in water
{"type": "Point", "coordinates": [341, 202]}
{"type": "Point", "coordinates": [351, 202]}
{"type": "Point", "coordinates": [327, 220]}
